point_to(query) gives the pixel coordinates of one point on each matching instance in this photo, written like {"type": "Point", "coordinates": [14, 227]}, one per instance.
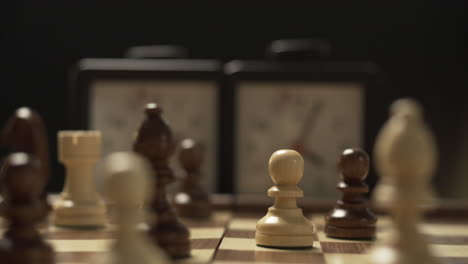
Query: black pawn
{"type": "Point", "coordinates": [22, 185]}
{"type": "Point", "coordinates": [154, 141]}
{"type": "Point", "coordinates": [26, 132]}
{"type": "Point", "coordinates": [192, 201]}
{"type": "Point", "coordinates": [351, 217]}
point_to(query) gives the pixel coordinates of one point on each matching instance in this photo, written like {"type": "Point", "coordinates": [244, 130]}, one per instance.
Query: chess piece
{"type": "Point", "coordinates": [351, 217]}
{"type": "Point", "coordinates": [284, 225]}
{"type": "Point", "coordinates": [23, 185]}
{"type": "Point", "coordinates": [25, 132]}
{"type": "Point", "coordinates": [154, 141]}
{"type": "Point", "coordinates": [192, 201]}
{"type": "Point", "coordinates": [79, 204]}
{"type": "Point", "coordinates": [405, 158]}
{"type": "Point", "coordinates": [128, 178]}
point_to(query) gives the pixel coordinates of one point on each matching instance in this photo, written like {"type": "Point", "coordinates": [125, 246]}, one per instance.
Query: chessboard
{"type": "Point", "coordinates": [449, 241]}
{"type": "Point", "coordinates": [88, 245]}
{"type": "Point", "coordinates": [228, 237]}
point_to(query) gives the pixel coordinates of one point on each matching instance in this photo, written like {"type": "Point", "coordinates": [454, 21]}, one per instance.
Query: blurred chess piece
{"type": "Point", "coordinates": [155, 142]}
{"type": "Point", "coordinates": [351, 218]}
{"type": "Point", "coordinates": [405, 158]}
{"type": "Point", "coordinates": [80, 205]}
{"type": "Point", "coordinates": [192, 201]}
{"type": "Point", "coordinates": [410, 111]}
{"type": "Point", "coordinates": [128, 183]}
{"type": "Point", "coordinates": [23, 185]}
{"type": "Point", "coordinates": [284, 225]}
{"type": "Point", "coordinates": [25, 131]}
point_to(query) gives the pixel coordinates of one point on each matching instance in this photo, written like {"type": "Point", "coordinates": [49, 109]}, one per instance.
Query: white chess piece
{"type": "Point", "coordinates": [285, 225]}
{"type": "Point", "coordinates": [128, 183]}
{"type": "Point", "coordinates": [80, 205]}
{"type": "Point", "coordinates": [405, 158]}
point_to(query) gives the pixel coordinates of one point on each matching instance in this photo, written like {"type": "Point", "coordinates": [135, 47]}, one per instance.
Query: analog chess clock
{"type": "Point", "coordinates": [317, 109]}
{"type": "Point", "coordinates": [110, 96]}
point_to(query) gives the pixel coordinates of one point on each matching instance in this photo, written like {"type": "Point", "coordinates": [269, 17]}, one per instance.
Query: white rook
{"type": "Point", "coordinates": [79, 205]}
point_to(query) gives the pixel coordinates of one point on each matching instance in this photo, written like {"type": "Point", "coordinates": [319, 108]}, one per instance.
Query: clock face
{"type": "Point", "coordinates": [116, 109]}
{"type": "Point", "coordinates": [319, 120]}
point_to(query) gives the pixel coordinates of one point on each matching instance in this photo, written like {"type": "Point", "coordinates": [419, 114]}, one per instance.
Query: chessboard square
{"type": "Point", "coordinates": [230, 243]}
{"type": "Point", "coordinates": [240, 233]}
{"type": "Point", "coordinates": [78, 257]}
{"type": "Point", "coordinates": [336, 258]}
{"type": "Point", "coordinates": [322, 237]}
{"type": "Point", "coordinates": [69, 234]}
{"type": "Point", "coordinates": [238, 262]}
{"type": "Point", "coordinates": [199, 233]}
{"type": "Point", "coordinates": [197, 256]}
{"type": "Point", "coordinates": [204, 243]}
{"type": "Point", "coordinates": [448, 240]}
{"type": "Point", "coordinates": [445, 229]}
{"type": "Point", "coordinates": [81, 245]}
{"type": "Point", "coordinates": [459, 251]}
{"type": "Point", "coordinates": [269, 256]}
{"type": "Point", "coordinates": [345, 248]}
{"type": "Point", "coordinates": [448, 260]}
{"type": "Point", "coordinates": [219, 219]}
{"type": "Point", "coordinates": [243, 224]}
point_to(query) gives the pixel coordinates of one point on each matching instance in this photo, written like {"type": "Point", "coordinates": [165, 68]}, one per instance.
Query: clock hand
{"type": "Point", "coordinates": [308, 125]}
{"type": "Point", "coordinates": [310, 121]}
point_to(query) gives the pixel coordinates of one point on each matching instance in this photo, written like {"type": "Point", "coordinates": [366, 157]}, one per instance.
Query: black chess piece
{"type": "Point", "coordinates": [25, 131]}
{"type": "Point", "coordinates": [192, 201]}
{"type": "Point", "coordinates": [351, 217]}
{"type": "Point", "coordinates": [155, 142]}
{"type": "Point", "coordinates": [22, 243]}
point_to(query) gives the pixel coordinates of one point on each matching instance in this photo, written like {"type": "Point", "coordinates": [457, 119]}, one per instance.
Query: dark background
{"type": "Point", "coordinates": [420, 46]}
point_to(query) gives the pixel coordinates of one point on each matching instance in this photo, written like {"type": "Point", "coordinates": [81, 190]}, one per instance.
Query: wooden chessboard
{"type": "Point", "coordinates": [449, 241]}
{"type": "Point", "coordinates": [229, 238]}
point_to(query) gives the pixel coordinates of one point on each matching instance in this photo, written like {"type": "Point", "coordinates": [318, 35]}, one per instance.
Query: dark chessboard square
{"type": "Point", "coordinates": [78, 257]}
{"type": "Point", "coordinates": [270, 256]}
{"type": "Point", "coordinates": [204, 243]}
{"type": "Point", "coordinates": [346, 247]}
{"type": "Point", "coordinates": [240, 233]}
{"type": "Point", "coordinates": [448, 240]}
{"type": "Point", "coordinates": [448, 260]}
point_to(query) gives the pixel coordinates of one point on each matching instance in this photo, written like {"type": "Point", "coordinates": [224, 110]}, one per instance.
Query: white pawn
{"type": "Point", "coordinates": [128, 183]}
{"type": "Point", "coordinates": [284, 225]}
{"type": "Point", "coordinates": [405, 158]}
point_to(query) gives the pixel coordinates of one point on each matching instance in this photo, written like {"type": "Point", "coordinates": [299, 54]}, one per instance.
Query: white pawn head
{"type": "Point", "coordinates": [128, 180]}
{"type": "Point", "coordinates": [407, 107]}
{"type": "Point", "coordinates": [286, 167]}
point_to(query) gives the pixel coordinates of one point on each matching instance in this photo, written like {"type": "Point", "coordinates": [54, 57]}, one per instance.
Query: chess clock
{"type": "Point", "coordinates": [317, 109]}
{"type": "Point", "coordinates": [110, 94]}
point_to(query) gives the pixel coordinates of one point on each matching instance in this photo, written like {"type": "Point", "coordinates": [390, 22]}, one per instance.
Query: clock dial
{"type": "Point", "coordinates": [116, 109]}
{"type": "Point", "coordinates": [318, 120]}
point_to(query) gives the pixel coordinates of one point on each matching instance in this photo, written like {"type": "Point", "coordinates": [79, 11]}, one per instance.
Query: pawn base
{"type": "Point", "coordinates": [284, 241]}
{"type": "Point", "coordinates": [284, 228]}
